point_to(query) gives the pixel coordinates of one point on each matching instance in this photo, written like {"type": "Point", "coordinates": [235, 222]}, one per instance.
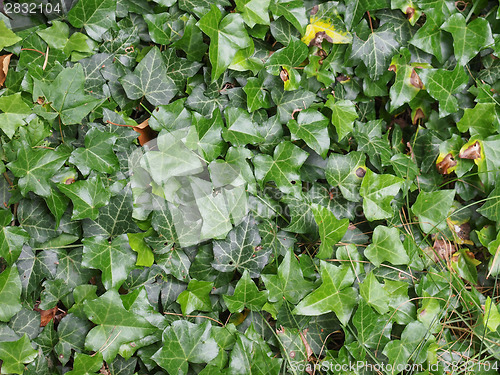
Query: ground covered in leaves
{"type": "Point", "coordinates": [249, 187]}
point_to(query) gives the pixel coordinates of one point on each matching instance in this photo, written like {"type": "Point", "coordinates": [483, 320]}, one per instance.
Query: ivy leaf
{"type": "Point", "coordinates": [290, 56]}
{"type": "Point", "coordinates": [430, 37]}
{"type": "Point", "coordinates": [373, 329]}
{"type": "Point", "coordinates": [282, 168]}
{"type": "Point", "coordinates": [343, 115]}
{"type": "Point", "coordinates": [190, 342]}
{"type": "Point", "coordinates": [293, 10]}
{"type": "Point", "coordinates": [117, 325]}
{"type": "Point", "coordinates": [491, 208]}
{"type": "Point", "coordinates": [240, 250]}
{"type": "Point", "coordinates": [7, 36]}
{"type": "Point", "coordinates": [95, 15]}
{"type": "Point", "coordinates": [191, 41]}
{"type": "Point", "coordinates": [334, 294]}
{"type": "Point", "coordinates": [179, 69]}
{"type": "Point", "coordinates": [357, 8]}
{"type": "Point", "coordinates": [15, 112]}
{"type": "Point", "coordinates": [407, 83]}
{"type": "Point", "coordinates": [227, 36]}
{"type": "Point", "coordinates": [468, 39]}
{"type": "Point", "coordinates": [246, 294]}
{"type": "Point", "coordinates": [15, 354]}
{"type": "Point", "coordinates": [254, 11]}
{"type": "Point", "coordinates": [289, 283]}
{"type": "Point", "coordinates": [10, 293]}
{"type": "Point", "coordinates": [34, 167]}
{"type": "Point", "coordinates": [442, 85]}
{"type": "Point", "coordinates": [374, 294]}
{"type": "Point", "coordinates": [86, 364]}
{"type": "Point", "coordinates": [331, 230]}
{"type": "Point", "coordinates": [196, 297]}
{"type": "Point", "coordinates": [376, 51]}
{"type": "Point", "coordinates": [431, 209]}
{"type": "Point", "coordinates": [98, 153]}
{"type": "Point", "coordinates": [378, 191]}
{"type": "Point", "coordinates": [386, 246]}
{"type": "Point", "coordinates": [163, 28]}
{"type": "Point", "coordinates": [400, 351]}
{"type": "Point", "coordinates": [311, 127]}
{"type": "Point", "coordinates": [257, 96]}
{"type": "Point", "coordinates": [289, 101]}
{"type": "Point", "coordinates": [150, 80]}
{"type": "Point", "coordinates": [12, 238]}
{"type": "Point", "coordinates": [114, 258]}
{"type": "Point", "coordinates": [145, 256]}
{"type": "Point", "coordinates": [478, 120]}
{"type": "Point", "coordinates": [241, 130]}
{"type": "Point", "coordinates": [346, 172]}
{"type": "Point", "coordinates": [87, 197]}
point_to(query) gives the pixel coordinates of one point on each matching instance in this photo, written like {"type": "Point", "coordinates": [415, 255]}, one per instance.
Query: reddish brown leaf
{"type": "Point", "coordinates": [46, 315]}
{"type": "Point", "coordinates": [145, 132]}
{"type": "Point", "coordinates": [415, 80]}
{"type": "Point", "coordinates": [447, 163]}
{"type": "Point", "coordinates": [284, 75]}
{"type": "Point", "coordinates": [418, 115]}
{"type": "Point", "coordinates": [472, 152]}
{"type": "Point", "coordinates": [4, 67]}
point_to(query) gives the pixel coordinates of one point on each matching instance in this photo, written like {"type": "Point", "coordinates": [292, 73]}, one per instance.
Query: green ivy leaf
{"type": "Point", "coordinates": [432, 209]}
{"type": "Point", "coordinates": [87, 197]}
{"type": "Point", "coordinates": [376, 51]}
{"type": "Point", "coordinates": [346, 172]}
{"type": "Point", "coordinates": [491, 208]}
{"type": "Point", "coordinates": [227, 36]}
{"type": "Point", "coordinates": [373, 329]}
{"type": "Point", "coordinates": [331, 230]}
{"type": "Point", "coordinates": [282, 168]}
{"type": "Point", "coordinates": [478, 120]}
{"type": "Point", "coordinates": [430, 38]}
{"type": "Point", "coordinates": [241, 130]}
{"type": "Point", "coordinates": [12, 238]}
{"type": "Point", "coordinates": [468, 39]}
{"type": "Point", "coordinates": [196, 297]}
{"type": "Point", "coordinates": [334, 294]}
{"type": "Point", "coordinates": [386, 246]}
{"type": "Point", "coordinates": [442, 85]}
{"type": "Point", "coordinates": [343, 115]}
{"type": "Point", "coordinates": [86, 364]}
{"type": "Point", "coordinates": [290, 56]}
{"type": "Point", "coordinates": [378, 191]}
{"type": "Point", "coordinates": [15, 354]}
{"type": "Point", "coordinates": [10, 293]}
{"type": "Point", "coordinates": [191, 41]}
{"type": "Point", "coordinates": [183, 343]}
{"type": "Point", "coordinates": [94, 15]}
{"type": "Point", "coordinates": [311, 127]}
{"type": "Point", "coordinates": [15, 112]}
{"type": "Point", "coordinates": [150, 80]}
{"type": "Point", "coordinates": [293, 10]}
{"type": "Point", "coordinates": [114, 258]}
{"type": "Point", "coordinates": [374, 294]}
{"type": "Point", "coordinates": [246, 295]}
{"type": "Point", "coordinates": [34, 167]}
{"type": "Point", "coordinates": [254, 11]}
{"type": "Point", "coordinates": [257, 96]}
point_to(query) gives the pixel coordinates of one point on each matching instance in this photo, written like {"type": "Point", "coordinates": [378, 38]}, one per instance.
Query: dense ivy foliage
{"type": "Point", "coordinates": [249, 187]}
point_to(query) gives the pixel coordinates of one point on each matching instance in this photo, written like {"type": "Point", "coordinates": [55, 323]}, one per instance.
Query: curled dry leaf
{"type": "Point", "coordinates": [145, 132]}
{"type": "Point", "coordinates": [4, 67]}
{"type": "Point", "coordinates": [415, 80]}
{"type": "Point", "coordinates": [419, 114]}
{"type": "Point", "coordinates": [443, 249]}
{"type": "Point", "coordinates": [472, 152]}
{"type": "Point", "coordinates": [46, 315]}
{"type": "Point", "coordinates": [446, 165]}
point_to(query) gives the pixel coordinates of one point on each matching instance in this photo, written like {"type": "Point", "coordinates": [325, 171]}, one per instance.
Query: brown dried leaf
{"type": "Point", "coordinates": [415, 80]}
{"type": "Point", "coordinates": [443, 249]}
{"type": "Point", "coordinates": [4, 67]}
{"type": "Point", "coordinates": [419, 114]}
{"type": "Point", "coordinates": [472, 152]}
{"type": "Point", "coordinates": [46, 315]}
{"type": "Point", "coordinates": [447, 163]}
{"type": "Point", "coordinates": [145, 132]}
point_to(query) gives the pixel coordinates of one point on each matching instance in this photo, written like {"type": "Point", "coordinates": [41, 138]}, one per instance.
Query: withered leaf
{"type": "Point", "coordinates": [447, 163]}
{"type": "Point", "coordinates": [145, 132]}
{"type": "Point", "coordinates": [415, 80]}
{"type": "Point", "coordinates": [443, 249]}
{"type": "Point", "coordinates": [472, 152]}
{"type": "Point", "coordinates": [4, 67]}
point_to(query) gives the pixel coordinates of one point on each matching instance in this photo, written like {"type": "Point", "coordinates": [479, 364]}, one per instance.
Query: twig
{"type": "Point", "coordinates": [46, 59]}
{"type": "Point", "coordinates": [31, 49]}
{"type": "Point", "coordinates": [370, 20]}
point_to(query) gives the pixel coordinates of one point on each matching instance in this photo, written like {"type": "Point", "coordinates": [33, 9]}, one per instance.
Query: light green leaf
{"type": "Point", "coordinates": [376, 51]}
{"type": "Point", "coordinates": [311, 127]}
{"type": "Point", "coordinates": [191, 41]}
{"type": "Point", "coordinates": [254, 11]}
{"type": "Point", "coordinates": [257, 96]}
{"type": "Point", "coordinates": [11, 238]}
{"type": "Point", "coordinates": [114, 258]}
{"type": "Point", "coordinates": [442, 85]}
{"type": "Point", "coordinates": [35, 166]}
{"type": "Point", "coordinates": [334, 294]}
{"type": "Point", "coordinates": [196, 297]}
{"type": "Point", "coordinates": [290, 56]}
{"type": "Point", "coordinates": [86, 364]}
{"type": "Point", "coordinates": [227, 36]}
{"type": "Point", "coordinates": [10, 293]}
{"type": "Point", "coordinates": [98, 153]}
{"type": "Point", "coordinates": [289, 283]}
{"type": "Point", "coordinates": [491, 208]}
{"type": "Point", "coordinates": [331, 230]}
{"type": "Point", "coordinates": [163, 28]}
{"type": "Point", "coordinates": [378, 191]}
{"type": "Point", "coordinates": [241, 130]}
{"type": "Point", "coordinates": [246, 294]}
{"type": "Point", "coordinates": [183, 343]}
{"type": "Point", "coordinates": [374, 293]}
{"type": "Point", "coordinates": [15, 112]}
{"type": "Point", "coordinates": [87, 197]}
{"type": "Point", "coordinates": [468, 39]}
{"type": "Point", "coordinates": [119, 326]}
{"type": "Point", "coordinates": [55, 36]}
{"type": "Point", "coordinates": [15, 354]}
{"type": "Point", "coordinates": [282, 168]}
{"type": "Point", "coordinates": [150, 80]}
{"type": "Point", "coordinates": [479, 121]}
{"type": "Point", "coordinates": [430, 38]}
{"type": "Point", "coordinates": [346, 172]}
{"type": "Point", "coordinates": [293, 10]}
{"type": "Point", "coordinates": [431, 209]}
{"type": "Point", "coordinates": [7, 36]}
{"type": "Point", "coordinates": [491, 315]}
{"type": "Point", "coordinates": [343, 115]}
{"type": "Point", "coordinates": [145, 256]}
{"type": "Point", "coordinates": [373, 329]}
{"type": "Point", "coordinates": [97, 16]}
{"type": "Point", "coordinates": [386, 246]}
